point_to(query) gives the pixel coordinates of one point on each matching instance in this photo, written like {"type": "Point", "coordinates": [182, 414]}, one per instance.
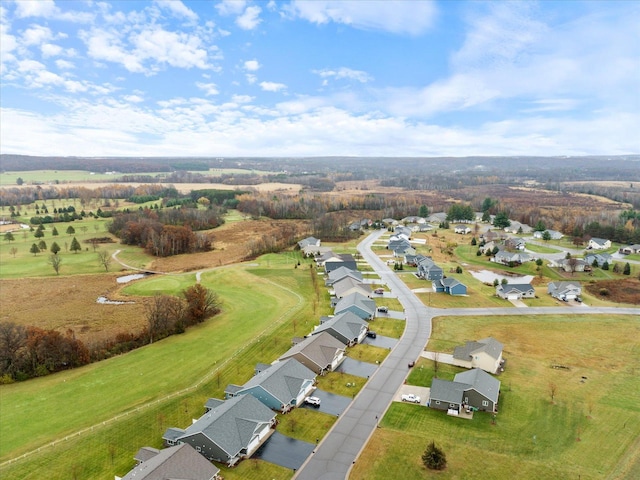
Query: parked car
{"type": "Point", "coordinates": [578, 299]}
{"type": "Point", "coordinates": [313, 401]}
{"type": "Point", "coordinates": [410, 397]}
{"type": "Point", "coordinates": [379, 291]}
{"type": "Point", "coordinates": [372, 334]}
{"type": "Point", "coordinates": [383, 309]}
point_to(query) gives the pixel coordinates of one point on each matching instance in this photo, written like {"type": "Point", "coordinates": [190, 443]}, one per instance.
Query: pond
{"type": "Point", "coordinates": [130, 278]}
{"type": "Point", "coordinates": [488, 277]}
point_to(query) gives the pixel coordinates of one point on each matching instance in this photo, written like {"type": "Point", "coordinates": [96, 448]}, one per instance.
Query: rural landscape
{"type": "Point", "coordinates": [139, 295]}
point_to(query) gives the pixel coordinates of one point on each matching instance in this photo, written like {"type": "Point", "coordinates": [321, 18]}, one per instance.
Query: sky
{"type": "Point", "coordinates": [308, 78]}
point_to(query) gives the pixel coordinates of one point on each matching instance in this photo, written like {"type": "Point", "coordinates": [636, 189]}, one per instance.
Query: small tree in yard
{"type": "Point", "coordinates": [13, 251]}
{"type": "Point", "coordinates": [42, 245]}
{"type": "Point", "coordinates": [539, 262]}
{"type": "Point", "coordinates": [627, 269]}
{"type": "Point", "coordinates": [605, 265]}
{"type": "Point", "coordinates": [71, 230]}
{"type": "Point", "coordinates": [34, 249]}
{"type": "Point", "coordinates": [546, 236]}
{"type": "Point", "coordinates": [55, 261]}
{"type": "Point", "coordinates": [9, 237]}
{"type": "Point", "coordinates": [434, 458]}
{"type": "Point", "coordinates": [75, 245]}
{"type": "Point", "coordinates": [105, 259]}
{"type": "Point", "coordinates": [55, 248]}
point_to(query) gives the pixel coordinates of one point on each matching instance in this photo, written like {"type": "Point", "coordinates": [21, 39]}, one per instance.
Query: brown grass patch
{"type": "Point", "coordinates": [626, 290]}
{"type": "Point", "coordinates": [63, 303]}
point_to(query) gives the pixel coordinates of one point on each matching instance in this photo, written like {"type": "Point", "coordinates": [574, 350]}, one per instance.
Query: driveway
{"type": "Point", "coordinates": [422, 392]}
{"type": "Point", "coordinates": [329, 402]}
{"type": "Point", "coordinates": [380, 341]}
{"type": "Point", "coordinates": [395, 314]}
{"type": "Point", "coordinates": [284, 451]}
{"type": "Point", "coordinates": [518, 303]}
{"type": "Point", "coordinates": [357, 368]}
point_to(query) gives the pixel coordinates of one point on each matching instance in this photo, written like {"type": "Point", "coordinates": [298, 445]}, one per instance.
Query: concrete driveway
{"type": "Point", "coordinates": [329, 402]}
{"type": "Point", "coordinates": [380, 341]}
{"type": "Point", "coordinates": [422, 392]}
{"type": "Point", "coordinates": [357, 368]}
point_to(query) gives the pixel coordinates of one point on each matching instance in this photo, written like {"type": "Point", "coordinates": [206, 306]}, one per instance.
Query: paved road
{"type": "Point", "coordinates": [336, 454]}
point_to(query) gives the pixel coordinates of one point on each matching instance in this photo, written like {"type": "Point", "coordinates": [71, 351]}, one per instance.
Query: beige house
{"type": "Point", "coordinates": [485, 354]}
{"type": "Point", "coordinates": [321, 353]}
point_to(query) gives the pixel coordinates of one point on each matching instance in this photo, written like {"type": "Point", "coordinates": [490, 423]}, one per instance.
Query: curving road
{"type": "Point", "coordinates": [336, 454]}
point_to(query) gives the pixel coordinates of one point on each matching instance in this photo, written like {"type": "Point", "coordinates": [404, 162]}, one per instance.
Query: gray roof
{"type": "Point", "coordinates": [600, 257]}
{"type": "Point", "coordinates": [358, 300]}
{"type": "Point", "coordinates": [309, 241]}
{"type": "Point", "coordinates": [178, 462]}
{"type": "Point", "coordinates": [145, 453]}
{"type": "Point", "coordinates": [342, 272]}
{"type": "Point", "coordinates": [520, 287]}
{"type": "Point", "coordinates": [283, 380]}
{"type": "Point", "coordinates": [213, 403]}
{"type": "Point", "coordinates": [233, 424]}
{"type": "Point", "coordinates": [345, 284]}
{"type": "Point", "coordinates": [599, 241]}
{"type": "Point", "coordinates": [449, 282]}
{"type": "Point", "coordinates": [320, 349]}
{"type": "Point", "coordinates": [447, 391]}
{"type": "Point", "coordinates": [563, 286]}
{"type": "Point", "coordinates": [347, 324]}
{"type": "Point", "coordinates": [490, 345]}
{"type": "Point", "coordinates": [480, 381]}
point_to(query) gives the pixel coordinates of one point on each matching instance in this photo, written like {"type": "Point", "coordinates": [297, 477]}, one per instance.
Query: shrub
{"type": "Point", "coordinates": [434, 458]}
{"type": "Point", "coordinates": [604, 292]}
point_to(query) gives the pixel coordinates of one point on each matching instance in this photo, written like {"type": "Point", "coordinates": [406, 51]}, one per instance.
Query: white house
{"type": "Point", "coordinates": [598, 244]}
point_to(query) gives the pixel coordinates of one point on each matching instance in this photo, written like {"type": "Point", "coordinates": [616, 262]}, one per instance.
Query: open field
{"type": "Point", "coordinates": [590, 430]}
{"type": "Point", "coordinates": [254, 326]}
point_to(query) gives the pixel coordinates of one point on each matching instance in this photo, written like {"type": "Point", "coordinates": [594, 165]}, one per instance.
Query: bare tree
{"type": "Point", "coordinates": [105, 259]}
{"type": "Point", "coordinates": [55, 261]}
{"type": "Point", "coordinates": [13, 251]}
{"type": "Point", "coordinates": [553, 389]}
{"type": "Point", "coordinates": [163, 313]}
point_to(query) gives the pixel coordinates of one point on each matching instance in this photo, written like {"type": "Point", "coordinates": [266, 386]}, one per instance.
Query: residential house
{"type": "Point", "coordinates": [346, 327]}
{"type": "Point", "coordinates": [485, 354]}
{"type": "Point", "coordinates": [412, 219]}
{"type": "Point", "coordinates": [449, 285]}
{"type": "Point", "coordinates": [515, 243]}
{"type": "Point", "coordinates": [340, 273]}
{"type": "Point", "coordinates": [491, 236]}
{"type": "Point", "coordinates": [488, 247]}
{"type": "Point", "coordinates": [342, 260]}
{"type": "Point", "coordinates": [598, 258]}
{"type": "Point", "coordinates": [573, 264]}
{"type": "Point", "coordinates": [598, 244]}
{"type": "Point", "coordinates": [515, 291]}
{"type": "Point", "coordinates": [180, 461]}
{"type": "Point", "coordinates": [437, 218]}
{"type": "Point", "coordinates": [282, 386]}
{"type": "Point", "coordinates": [427, 268]}
{"type": "Point", "coordinates": [309, 242]}
{"type": "Point", "coordinates": [358, 304]}
{"type": "Point", "coordinates": [397, 242]}
{"type": "Point", "coordinates": [630, 249]}
{"type": "Point", "coordinates": [320, 353]}
{"type": "Point", "coordinates": [348, 285]}
{"type": "Point", "coordinates": [511, 258]}
{"type": "Point", "coordinates": [389, 222]}
{"type": "Point", "coordinates": [555, 235]}
{"type": "Point", "coordinates": [228, 432]}
{"type": "Point", "coordinates": [400, 230]}
{"type": "Point", "coordinates": [313, 251]}
{"type": "Point", "coordinates": [402, 252]}
{"type": "Point", "coordinates": [564, 290]}
{"type": "Point", "coordinates": [517, 227]}
{"type": "Point", "coordinates": [462, 229]}
{"type": "Point", "coordinates": [474, 388]}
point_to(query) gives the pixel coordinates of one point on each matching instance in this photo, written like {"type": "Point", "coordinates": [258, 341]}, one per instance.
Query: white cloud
{"type": "Point", "coordinates": [35, 8]}
{"type": "Point", "coordinates": [50, 50]}
{"type": "Point", "coordinates": [36, 35]}
{"type": "Point", "coordinates": [250, 19]}
{"type": "Point", "coordinates": [251, 65]}
{"type": "Point", "coordinates": [242, 98]}
{"type": "Point", "coordinates": [344, 72]}
{"type": "Point", "coordinates": [64, 64]}
{"type": "Point", "coordinates": [133, 98]}
{"type": "Point", "coordinates": [231, 7]}
{"type": "Point", "coordinates": [208, 88]}
{"type": "Point", "coordinates": [178, 8]}
{"type": "Point", "coordinates": [105, 45]}
{"type": "Point", "coordinates": [272, 86]}
{"type": "Point", "coordinates": [251, 79]}
{"type": "Point", "coordinates": [412, 17]}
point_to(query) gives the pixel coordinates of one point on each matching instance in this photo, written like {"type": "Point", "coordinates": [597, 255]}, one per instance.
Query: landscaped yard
{"type": "Point", "coordinates": [591, 429]}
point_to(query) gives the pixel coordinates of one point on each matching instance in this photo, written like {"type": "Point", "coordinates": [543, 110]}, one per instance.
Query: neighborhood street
{"type": "Point", "coordinates": [338, 451]}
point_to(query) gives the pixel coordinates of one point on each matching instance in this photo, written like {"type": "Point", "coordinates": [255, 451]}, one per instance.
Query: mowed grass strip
{"type": "Point", "coordinates": [589, 428]}
{"type": "Point", "coordinates": [102, 390]}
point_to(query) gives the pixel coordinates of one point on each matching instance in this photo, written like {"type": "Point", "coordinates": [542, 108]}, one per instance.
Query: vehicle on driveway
{"type": "Point", "coordinates": [379, 291]}
{"type": "Point", "coordinates": [411, 398]}
{"type": "Point", "coordinates": [313, 401]}
{"type": "Point", "coordinates": [383, 309]}
{"type": "Point", "coordinates": [371, 334]}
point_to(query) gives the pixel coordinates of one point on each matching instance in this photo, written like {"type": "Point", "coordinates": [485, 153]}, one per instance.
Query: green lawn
{"type": "Point", "coordinates": [255, 326]}
{"type": "Point", "coordinates": [590, 429]}
{"type": "Point", "coordinates": [541, 248]}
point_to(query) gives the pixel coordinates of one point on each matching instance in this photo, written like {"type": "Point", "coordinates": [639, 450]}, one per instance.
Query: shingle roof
{"type": "Point", "coordinates": [345, 284]}
{"type": "Point", "coordinates": [520, 287]}
{"type": "Point", "coordinates": [342, 272]}
{"type": "Point", "coordinates": [481, 381]}
{"type": "Point", "coordinates": [490, 345]}
{"type": "Point", "coordinates": [357, 299]}
{"type": "Point", "coordinates": [179, 462]}
{"type": "Point", "coordinates": [347, 324]}
{"type": "Point", "coordinates": [320, 349]}
{"type": "Point", "coordinates": [447, 391]}
{"type": "Point", "coordinates": [283, 380]}
{"type": "Point", "coordinates": [232, 425]}
{"type": "Point", "coordinates": [309, 241]}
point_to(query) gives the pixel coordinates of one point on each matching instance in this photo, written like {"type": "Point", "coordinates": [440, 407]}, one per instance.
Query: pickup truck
{"type": "Point", "coordinates": [410, 397]}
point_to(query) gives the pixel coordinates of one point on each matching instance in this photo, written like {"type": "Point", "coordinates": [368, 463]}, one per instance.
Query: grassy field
{"type": "Point", "coordinates": [541, 248]}
{"type": "Point", "coordinates": [590, 430]}
{"type": "Point", "coordinates": [255, 326]}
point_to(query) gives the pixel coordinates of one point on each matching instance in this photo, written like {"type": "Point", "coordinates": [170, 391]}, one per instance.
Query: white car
{"type": "Point", "coordinates": [410, 397]}
{"type": "Point", "coordinates": [313, 401]}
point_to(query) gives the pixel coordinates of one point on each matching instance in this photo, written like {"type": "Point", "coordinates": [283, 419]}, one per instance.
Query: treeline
{"type": "Point", "coordinates": [276, 241]}
{"type": "Point", "coordinates": [28, 352]}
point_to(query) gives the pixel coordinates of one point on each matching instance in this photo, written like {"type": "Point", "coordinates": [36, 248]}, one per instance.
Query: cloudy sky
{"type": "Point", "coordinates": [319, 77]}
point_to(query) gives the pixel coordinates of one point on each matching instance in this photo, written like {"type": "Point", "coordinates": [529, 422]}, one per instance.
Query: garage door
{"type": "Point", "coordinates": [513, 297]}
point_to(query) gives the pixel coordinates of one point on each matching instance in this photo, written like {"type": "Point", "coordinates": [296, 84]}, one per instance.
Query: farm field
{"type": "Point", "coordinates": [160, 385]}
{"type": "Point", "coordinates": [590, 429]}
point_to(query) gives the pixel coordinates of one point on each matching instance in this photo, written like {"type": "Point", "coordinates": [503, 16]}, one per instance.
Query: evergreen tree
{"type": "Point", "coordinates": [627, 269]}
{"type": "Point", "coordinates": [71, 230]}
{"type": "Point", "coordinates": [75, 245]}
{"type": "Point", "coordinates": [55, 248]}
{"type": "Point", "coordinates": [54, 232]}
{"type": "Point", "coordinates": [605, 265]}
{"type": "Point", "coordinates": [434, 458]}
{"type": "Point", "coordinates": [34, 249]}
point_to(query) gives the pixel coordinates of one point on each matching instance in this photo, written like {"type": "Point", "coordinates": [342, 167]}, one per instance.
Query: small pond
{"type": "Point", "coordinates": [130, 278]}
{"type": "Point", "coordinates": [487, 277]}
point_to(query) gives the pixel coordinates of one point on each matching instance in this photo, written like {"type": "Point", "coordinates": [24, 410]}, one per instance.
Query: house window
{"type": "Point", "coordinates": [485, 403]}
